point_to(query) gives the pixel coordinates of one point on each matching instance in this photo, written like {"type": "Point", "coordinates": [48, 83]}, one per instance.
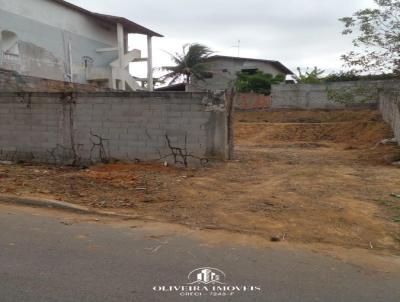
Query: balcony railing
{"type": "Point", "coordinates": [10, 61]}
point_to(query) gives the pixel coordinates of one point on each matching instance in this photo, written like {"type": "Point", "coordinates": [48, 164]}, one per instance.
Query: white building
{"type": "Point", "coordinates": [224, 69]}
{"type": "Point", "coordinates": [57, 40]}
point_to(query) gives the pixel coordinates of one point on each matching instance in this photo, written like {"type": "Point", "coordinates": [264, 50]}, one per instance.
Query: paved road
{"type": "Point", "coordinates": [43, 257]}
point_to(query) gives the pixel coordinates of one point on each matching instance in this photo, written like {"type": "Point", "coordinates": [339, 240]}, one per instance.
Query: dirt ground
{"type": "Point", "coordinates": [302, 176]}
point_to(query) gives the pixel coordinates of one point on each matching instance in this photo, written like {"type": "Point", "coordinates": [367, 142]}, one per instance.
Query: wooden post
{"type": "Point", "coordinates": [230, 110]}
{"type": "Point", "coordinates": [150, 81]}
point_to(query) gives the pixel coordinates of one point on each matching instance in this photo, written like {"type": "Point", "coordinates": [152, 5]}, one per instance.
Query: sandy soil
{"type": "Point", "coordinates": [304, 176]}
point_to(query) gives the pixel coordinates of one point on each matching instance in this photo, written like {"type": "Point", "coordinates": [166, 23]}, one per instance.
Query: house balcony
{"type": "Point", "coordinates": [98, 74]}
{"type": "Point", "coordinates": [117, 72]}
{"type": "Point", "coordinates": [10, 61]}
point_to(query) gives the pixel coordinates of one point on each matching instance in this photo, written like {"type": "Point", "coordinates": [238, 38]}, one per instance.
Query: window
{"type": "Point", "coordinates": [250, 71]}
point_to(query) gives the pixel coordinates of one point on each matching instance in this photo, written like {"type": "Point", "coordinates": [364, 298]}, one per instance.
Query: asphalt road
{"type": "Point", "coordinates": [45, 257]}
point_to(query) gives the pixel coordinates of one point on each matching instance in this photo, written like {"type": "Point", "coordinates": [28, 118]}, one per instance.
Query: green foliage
{"type": "Point", "coordinates": [353, 76]}
{"type": "Point", "coordinates": [342, 77]}
{"type": "Point", "coordinates": [189, 64]}
{"type": "Point", "coordinates": [378, 38]}
{"type": "Point", "coordinates": [258, 82]}
{"type": "Point", "coordinates": [310, 77]}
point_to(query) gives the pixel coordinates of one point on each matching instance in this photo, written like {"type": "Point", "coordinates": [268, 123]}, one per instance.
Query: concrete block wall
{"type": "Point", "coordinates": [315, 96]}
{"type": "Point", "coordinates": [51, 127]}
{"type": "Point", "coordinates": [301, 96]}
{"type": "Point", "coordinates": [389, 105]}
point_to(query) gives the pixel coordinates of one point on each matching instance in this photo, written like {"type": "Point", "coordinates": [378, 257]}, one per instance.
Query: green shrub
{"type": "Point", "coordinates": [258, 82]}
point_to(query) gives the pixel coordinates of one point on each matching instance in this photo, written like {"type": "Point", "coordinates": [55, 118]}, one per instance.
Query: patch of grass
{"type": "Point", "coordinates": [308, 120]}
{"type": "Point", "coordinates": [392, 209]}
{"type": "Point", "coordinates": [384, 202]}
{"type": "Point", "coordinates": [396, 219]}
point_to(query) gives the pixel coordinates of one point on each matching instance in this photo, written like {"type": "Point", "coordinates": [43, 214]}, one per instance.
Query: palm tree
{"type": "Point", "coordinates": [191, 63]}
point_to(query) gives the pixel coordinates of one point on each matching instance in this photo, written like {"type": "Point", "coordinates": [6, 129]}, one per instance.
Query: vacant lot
{"type": "Point", "coordinates": [309, 177]}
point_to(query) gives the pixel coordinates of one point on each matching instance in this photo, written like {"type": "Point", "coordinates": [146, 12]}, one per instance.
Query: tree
{"type": "Point", "coordinates": [346, 76]}
{"type": "Point", "coordinates": [258, 82]}
{"type": "Point", "coordinates": [191, 63]}
{"type": "Point", "coordinates": [310, 77]}
{"type": "Point", "coordinates": [378, 38]}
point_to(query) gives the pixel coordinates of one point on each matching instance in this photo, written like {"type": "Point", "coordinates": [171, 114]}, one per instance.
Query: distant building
{"type": "Point", "coordinates": [223, 71]}
{"type": "Point", "coordinates": [57, 40]}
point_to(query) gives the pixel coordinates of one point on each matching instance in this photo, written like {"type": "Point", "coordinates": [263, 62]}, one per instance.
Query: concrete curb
{"type": "Point", "coordinates": [59, 205]}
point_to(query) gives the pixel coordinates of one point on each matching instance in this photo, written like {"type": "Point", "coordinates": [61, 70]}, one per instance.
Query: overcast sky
{"type": "Point", "coordinates": [302, 33]}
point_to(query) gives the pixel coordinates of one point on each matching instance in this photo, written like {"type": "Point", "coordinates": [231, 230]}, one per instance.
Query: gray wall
{"type": "Point", "coordinates": [52, 126]}
{"type": "Point", "coordinates": [315, 96]}
{"type": "Point", "coordinates": [224, 73]}
{"type": "Point", "coordinates": [301, 96]}
{"type": "Point", "coordinates": [389, 105]}
{"type": "Point", "coordinates": [44, 50]}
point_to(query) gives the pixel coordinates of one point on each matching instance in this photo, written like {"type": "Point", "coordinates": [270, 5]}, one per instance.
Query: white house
{"type": "Point", "coordinates": [57, 40]}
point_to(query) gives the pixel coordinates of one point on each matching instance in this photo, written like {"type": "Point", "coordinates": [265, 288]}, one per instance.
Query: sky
{"type": "Point", "coordinates": [299, 33]}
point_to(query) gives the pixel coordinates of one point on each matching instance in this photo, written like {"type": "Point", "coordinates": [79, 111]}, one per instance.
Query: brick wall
{"type": "Point", "coordinates": [56, 127]}
{"type": "Point", "coordinates": [252, 101]}
{"type": "Point", "coordinates": [11, 81]}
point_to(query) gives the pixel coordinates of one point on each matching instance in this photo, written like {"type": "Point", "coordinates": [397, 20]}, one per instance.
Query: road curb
{"type": "Point", "coordinates": [59, 205]}
{"type": "Point", "coordinates": [44, 203]}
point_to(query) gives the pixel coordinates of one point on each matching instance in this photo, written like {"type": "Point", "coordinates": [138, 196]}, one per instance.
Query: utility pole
{"type": "Point", "coordinates": [238, 48]}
